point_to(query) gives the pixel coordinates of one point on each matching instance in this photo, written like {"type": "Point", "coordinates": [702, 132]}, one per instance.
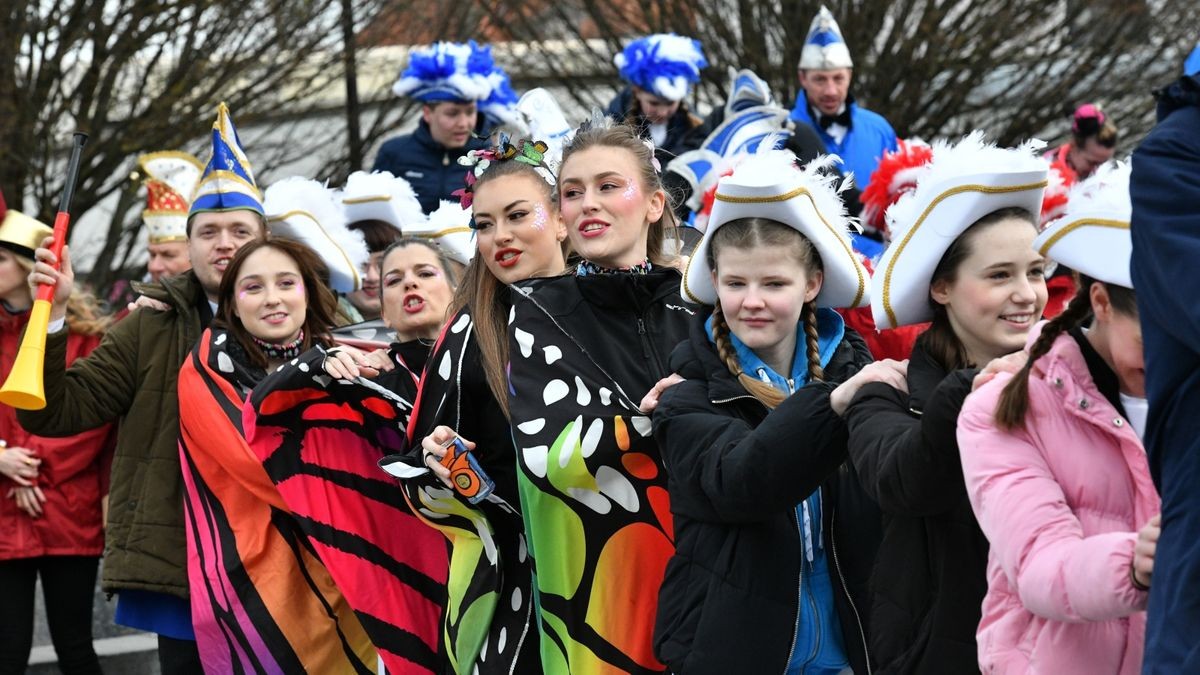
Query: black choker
{"type": "Point", "coordinates": [283, 352]}
{"type": "Point", "coordinates": [587, 267]}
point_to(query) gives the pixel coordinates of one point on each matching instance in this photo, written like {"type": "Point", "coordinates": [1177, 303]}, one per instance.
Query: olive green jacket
{"type": "Point", "coordinates": [131, 377]}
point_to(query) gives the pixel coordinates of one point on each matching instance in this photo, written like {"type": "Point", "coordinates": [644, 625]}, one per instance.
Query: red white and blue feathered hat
{"type": "Point", "coordinates": [824, 47]}
{"type": "Point", "coordinates": [962, 183]}
{"type": "Point", "coordinates": [228, 181]}
{"type": "Point", "coordinates": [664, 64]}
{"type": "Point", "coordinates": [1093, 236]}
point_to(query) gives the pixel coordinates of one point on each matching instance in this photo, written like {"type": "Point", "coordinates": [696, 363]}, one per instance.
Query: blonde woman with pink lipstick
{"type": "Point", "coordinates": [584, 348]}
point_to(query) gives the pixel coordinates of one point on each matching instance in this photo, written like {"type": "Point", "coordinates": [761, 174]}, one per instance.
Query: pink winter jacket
{"type": "Point", "coordinates": [1061, 501]}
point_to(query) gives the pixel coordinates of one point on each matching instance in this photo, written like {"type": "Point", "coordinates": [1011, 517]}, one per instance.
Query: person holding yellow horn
{"type": "Point", "coordinates": [50, 488]}
{"type": "Point", "coordinates": [132, 377]}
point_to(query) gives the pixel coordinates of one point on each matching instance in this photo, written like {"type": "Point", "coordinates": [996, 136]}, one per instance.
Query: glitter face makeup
{"type": "Point", "coordinates": [631, 190]}
{"type": "Point", "coordinates": [539, 216]}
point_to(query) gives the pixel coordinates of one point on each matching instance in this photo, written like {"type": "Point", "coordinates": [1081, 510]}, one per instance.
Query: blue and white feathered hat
{"type": "Point", "coordinates": [1093, 235]}
{"type": "Point", "coordinates": [665, 64]}
{"type": "Point", "coordinates": [453, 71]}
{"type": "Point", "coordinates": [228, 181]}
{"type": "Point", "coordinates": [306, 211]}
{"type": "Point", "coordinates": [824, 48]}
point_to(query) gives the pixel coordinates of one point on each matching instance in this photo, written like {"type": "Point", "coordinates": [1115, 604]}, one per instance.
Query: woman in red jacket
{"type": "Point", "coordinates": [50, 488]}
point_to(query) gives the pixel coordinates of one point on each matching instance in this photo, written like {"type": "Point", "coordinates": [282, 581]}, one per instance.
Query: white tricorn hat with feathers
{"type": "Point", "coordinates": [961, 184]}
{"type": "Point", "coordinates": [449, 228]}
{"type": "Point", "coordinates": [380, 196]}
{"type": "Point", "coordinates": [1093, 236]}
{"type": "Point", "coordinates": [769, 185]}
{"type": "Point", "coordinates": [308, 212]}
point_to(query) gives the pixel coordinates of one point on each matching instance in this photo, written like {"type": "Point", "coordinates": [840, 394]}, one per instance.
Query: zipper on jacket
{"type": "Point", "coordinates": [648, 352]}
{"type": "Point", "coordinates": [799, 592]}
{"type": "Point", "coordinates": [846, 589]}
{"type": "Point", "coordinates": [446, 159]}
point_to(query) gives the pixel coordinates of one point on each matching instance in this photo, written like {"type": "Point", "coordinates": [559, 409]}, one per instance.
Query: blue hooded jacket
{"type": "Point", "coordinates": [1165, 190]}
{"type": "Point", "coordinates": [431, 168]}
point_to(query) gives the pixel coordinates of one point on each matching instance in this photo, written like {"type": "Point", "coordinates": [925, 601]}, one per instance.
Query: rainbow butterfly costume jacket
{"type": "Point", "coordinates": [343, 564]}
{"type": "Point", "coordinates": [262, 601]}
{"type": "Point", "coordinates": [583, 352]}
{"type": "Point", "coordinates": [489, 623]}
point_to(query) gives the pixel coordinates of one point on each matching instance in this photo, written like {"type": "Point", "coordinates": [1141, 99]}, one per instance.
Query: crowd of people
{"type": "Point", "coordinates": [838, 402]}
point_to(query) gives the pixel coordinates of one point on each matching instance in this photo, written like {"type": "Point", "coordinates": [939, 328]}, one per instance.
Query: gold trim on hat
{"type": "Point", "coordinates": [986, 189]}
{"type": "Point", "coordinates": [1099, 222]}
{"type": "Point", "coordinates": [441, 233]}
{"type": "Point", "coordinates": [787, 196]}
{"type": "Point", "coordinates": [148, 157]}
{"type": "Point", "coordinates": [300, 212]}
{"type": "Point", "coordinates": [225, 175]}
{"type": "Point", "coordinates": [364, 200]}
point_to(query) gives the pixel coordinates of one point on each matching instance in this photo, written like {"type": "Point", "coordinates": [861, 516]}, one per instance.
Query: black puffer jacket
{"type": "Point", "coordinates": [729, 601]}
{"type": "Point", "coordinates": [930, 576]}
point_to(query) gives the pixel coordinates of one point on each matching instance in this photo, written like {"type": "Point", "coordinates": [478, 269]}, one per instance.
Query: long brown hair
{"type": "Point", "coordinates": [322, 305]}
{"type": "Point", "coordinates": [611, 135]}
{"type": "Point", "coordinates": [939, 340]}
{"type": "Point", "coordinates": [746, 233]}
{"type": "Point", "coordinates": [1014, 400]}
{"type": "Point", "coordinates": [486, 296]}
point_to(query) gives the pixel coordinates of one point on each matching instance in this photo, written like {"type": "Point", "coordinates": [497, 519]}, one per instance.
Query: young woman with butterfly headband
{"type": "Point", "coordinates": [584, 348]}
{"type": "Point", "coordinates": [489, 623]}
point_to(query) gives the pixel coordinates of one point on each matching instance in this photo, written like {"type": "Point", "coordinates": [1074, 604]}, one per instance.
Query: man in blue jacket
{"type": "Point", "coordinates": [455, 83]}
{"type": "Point", "coordinates": [857, 135]}
{"type": "Point", "coordinates": [1165, 190]}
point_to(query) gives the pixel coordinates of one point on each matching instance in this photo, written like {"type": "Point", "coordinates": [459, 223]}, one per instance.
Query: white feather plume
{"type": "Point", "coordinates": [307, 211]}
{"type": "Point", "coordinates": [1106, 191]}
{"type": "Point", "coordinates": [970, 156]}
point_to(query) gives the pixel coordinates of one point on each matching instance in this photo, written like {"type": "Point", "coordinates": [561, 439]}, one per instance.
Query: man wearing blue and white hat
{"type": "Point", "coordinates": [857, 135]}
{"type": "Point", "coordinates": [454, 83]}
{"type": "Point", "coordinates": [132, 378]}
{"type": "Point", "coordinates": [660, 70]}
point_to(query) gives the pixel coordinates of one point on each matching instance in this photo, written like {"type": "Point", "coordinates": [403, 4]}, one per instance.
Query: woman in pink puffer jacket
{"type": "Point", "coordinates": [1058, 478]}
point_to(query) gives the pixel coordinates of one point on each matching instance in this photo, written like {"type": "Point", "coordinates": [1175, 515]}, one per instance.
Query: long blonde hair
{"type": "Point", "coordinates": [84, 316]}
{"type": "Point", "coordinates": [746, 233]}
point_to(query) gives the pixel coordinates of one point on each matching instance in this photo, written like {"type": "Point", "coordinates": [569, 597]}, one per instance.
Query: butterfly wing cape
{"type": "Point", "coordinates": [593, 494]}
{"type": "Point", "coordinates": [490, 603]}
{"type": "Point", "coordinates": [320, 441]}
{"type": "Point", "coordinates": [262, 601]}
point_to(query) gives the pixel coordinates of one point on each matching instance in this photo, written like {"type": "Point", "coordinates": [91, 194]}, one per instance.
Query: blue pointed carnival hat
{"type": "Point", "coordinates": [664, 64]}
{"type": "Point", "coordinates": [824, 48]}
{"type": "Point", "coordinates": [228, 181]}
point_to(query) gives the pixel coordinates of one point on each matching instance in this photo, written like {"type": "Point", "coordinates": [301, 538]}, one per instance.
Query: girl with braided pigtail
{"type": "Point", "coordinates": [1055, 468]}
{"type": "Point", "coordinates": [774, 537]}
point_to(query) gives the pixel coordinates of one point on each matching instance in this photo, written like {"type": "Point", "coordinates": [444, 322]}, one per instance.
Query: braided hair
{"type": "Point", "coordinates": [1014, 400]}
{"type": "Point", "coordinates": [747, 233]}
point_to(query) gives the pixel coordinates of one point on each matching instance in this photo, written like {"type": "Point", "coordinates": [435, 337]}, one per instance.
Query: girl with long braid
{"type": "Point", "coordinates": [1055, 467]}
{"type": "Point", "coordinates": [774, 538]}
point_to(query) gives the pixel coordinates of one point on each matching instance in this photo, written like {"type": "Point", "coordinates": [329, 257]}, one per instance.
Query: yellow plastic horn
{"type": "Point", "coordinates": [24, 387]}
